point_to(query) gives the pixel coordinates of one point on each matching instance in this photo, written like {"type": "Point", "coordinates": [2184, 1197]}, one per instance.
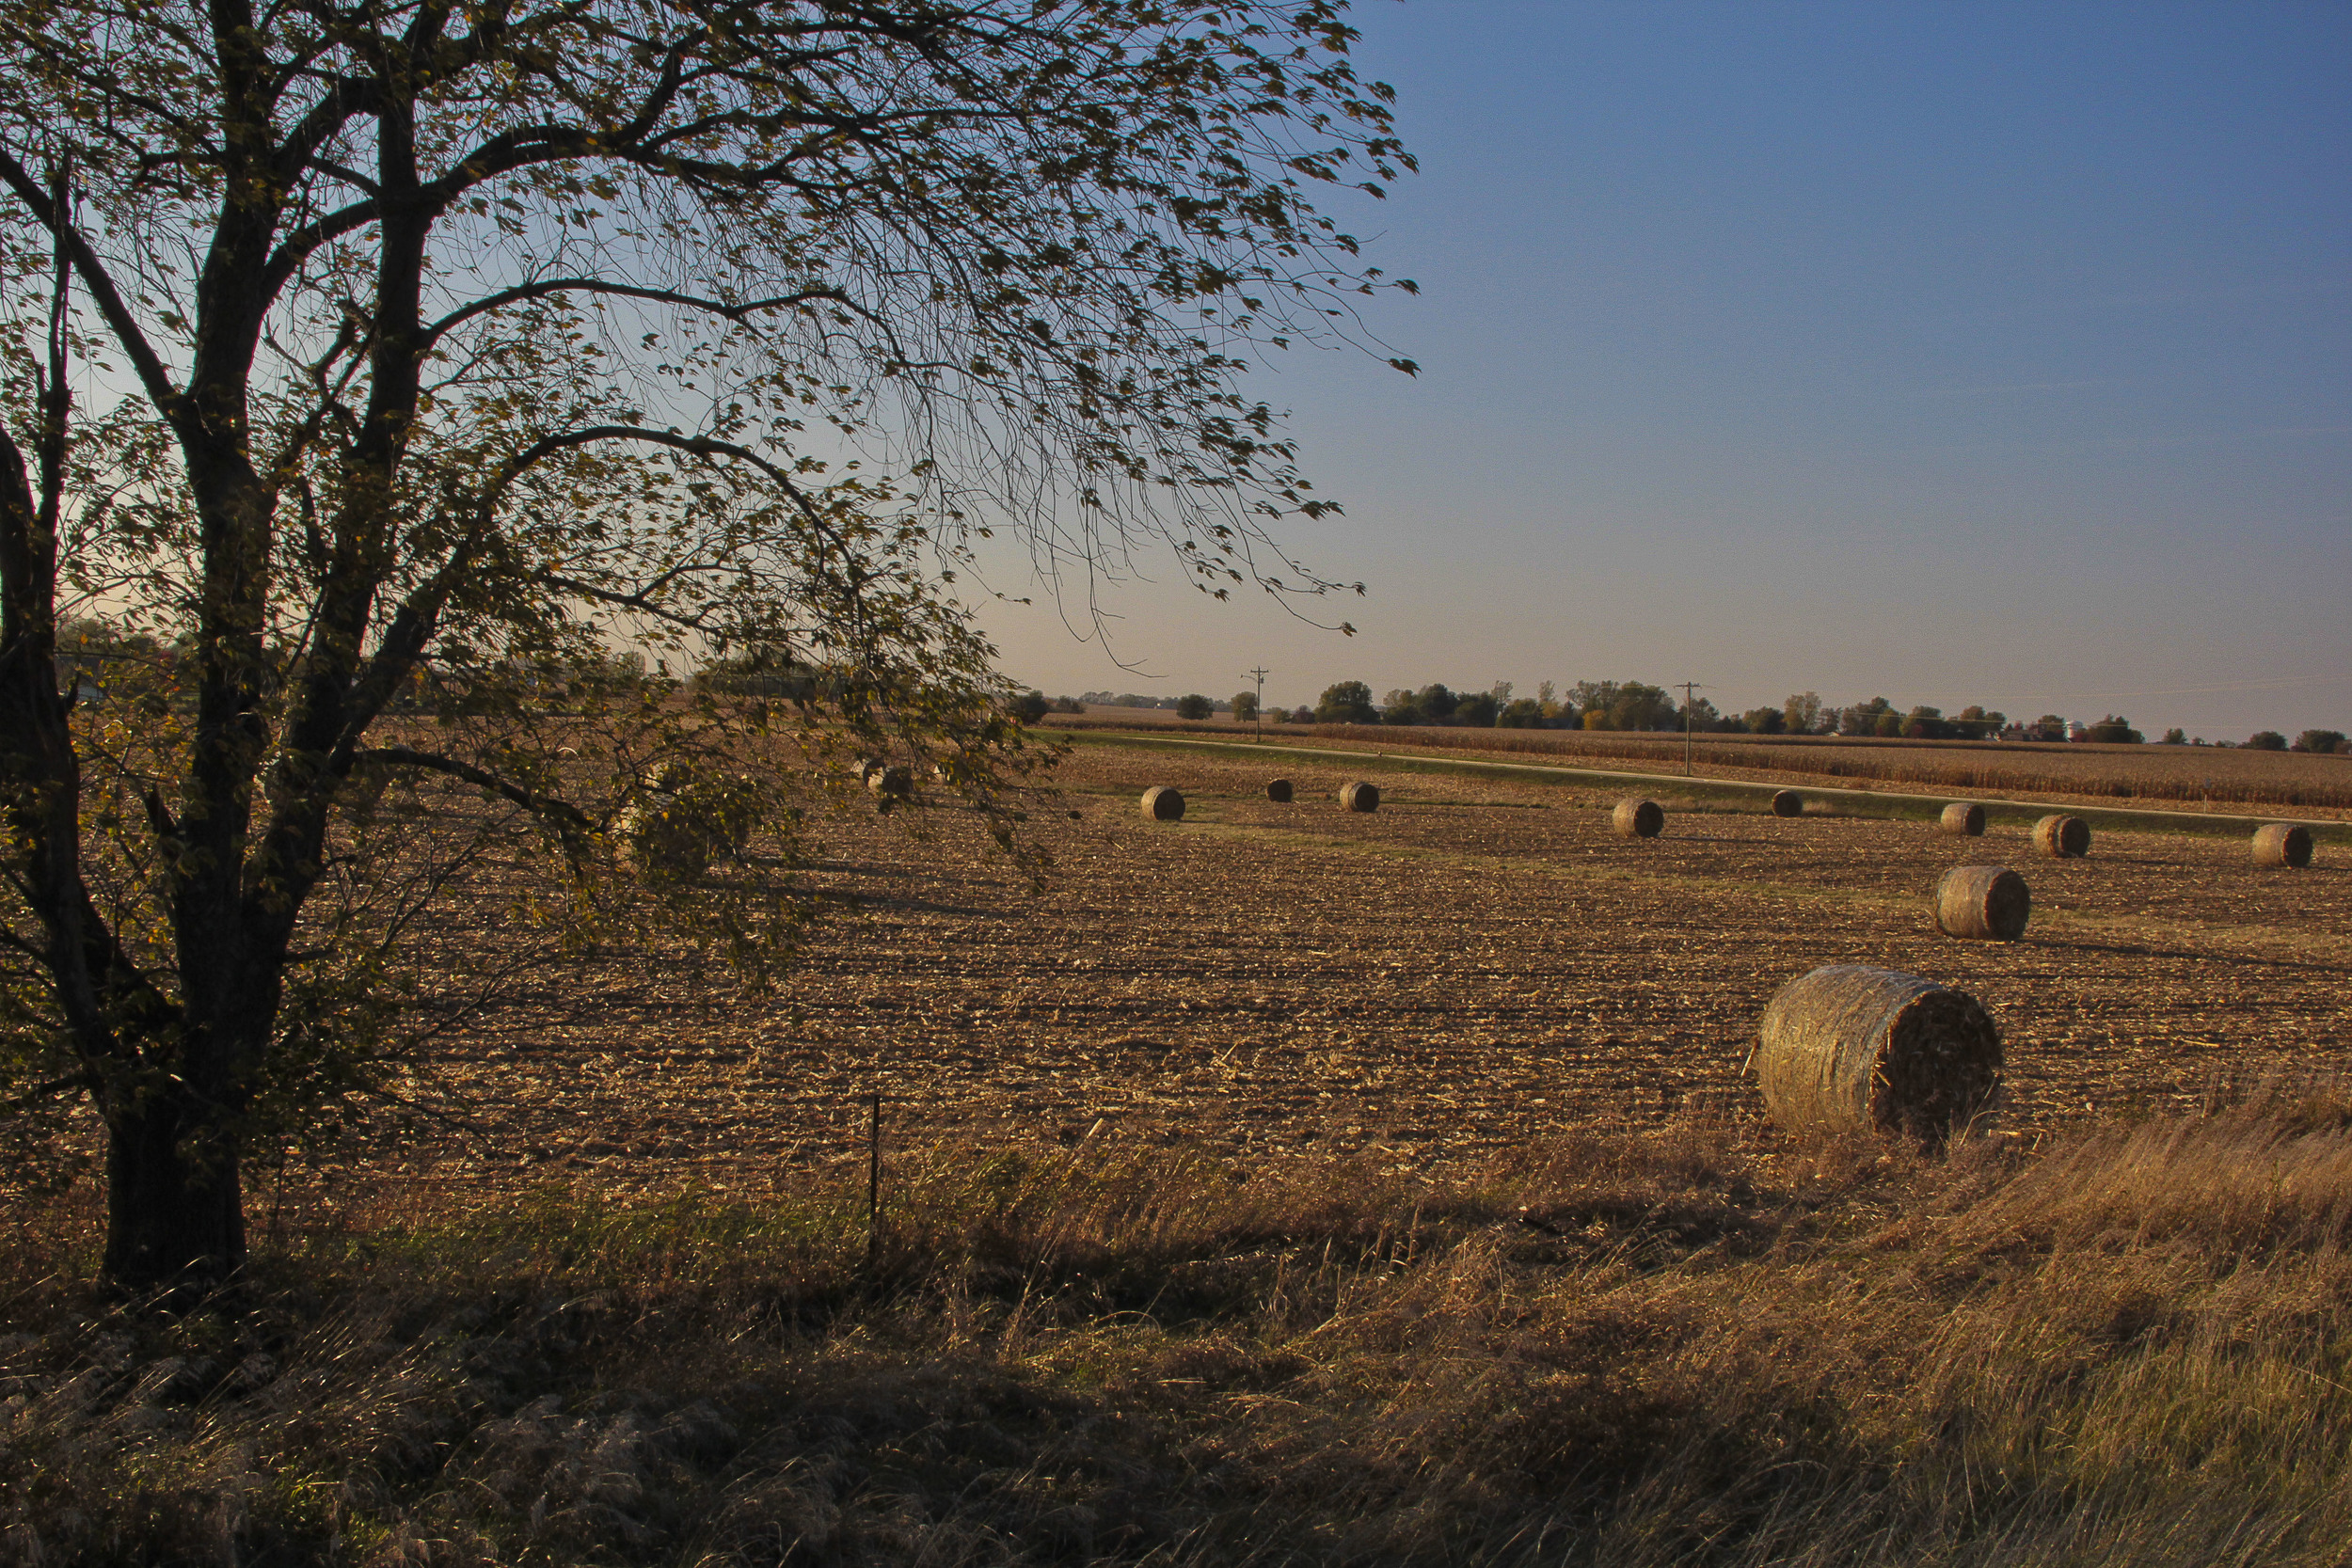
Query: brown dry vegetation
{"type": "Point", "coordinates": [2194, 775]}
{"type": "Point", "coordinates": [1687, 1346]}
{"type": "Point", "coordinates": [1285, 1186]}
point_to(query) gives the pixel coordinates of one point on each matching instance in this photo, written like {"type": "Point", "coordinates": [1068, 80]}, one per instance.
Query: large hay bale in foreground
{"type": "Point", "coordinates": [1962, 819]}
{"type": "Point", "coordinates": [2062, 838]}
{"type": "Point", "coordinates": [1279, 790]}
{"type": "Point", "coordinates": [1359, 796]}
{"type": "Point", "coordinates": [1163, 803]}
{"type": "Point", "coordinates": [1987, 903]}
{"type": "Point", "coordinates": [1849, 1048]}
{"type": "Point", "coordinates": [1788, 802]}
{"type": "Point", "coordinates": [1638, 819]}
{"type": "Point", "coordinates": [2283, 844]}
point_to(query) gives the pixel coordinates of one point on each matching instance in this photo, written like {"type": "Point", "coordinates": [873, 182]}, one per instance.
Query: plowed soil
{"type": "Point", "coordinates": [1469, 965]}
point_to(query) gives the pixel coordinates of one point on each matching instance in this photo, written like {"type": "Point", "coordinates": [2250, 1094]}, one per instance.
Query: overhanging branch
{"type": "Point", "coordinates": [548, 287]}
{"type": "Point", "coordinates": [125, 328]}
{"type": "Point", "coordinates": [569, 819]}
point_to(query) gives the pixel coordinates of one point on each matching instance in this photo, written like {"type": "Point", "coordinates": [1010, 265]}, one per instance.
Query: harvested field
{"type": "Point", "coordinates": [1475, 965]}
{"type": "Point", "coordinates": [1468, 1242]}
{"type": "Point", "coordinates": [2192, 776]}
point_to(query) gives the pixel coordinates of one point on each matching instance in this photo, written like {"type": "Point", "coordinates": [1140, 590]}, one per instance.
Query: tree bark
{"type": "Point", "coordinates": [173, 1210]}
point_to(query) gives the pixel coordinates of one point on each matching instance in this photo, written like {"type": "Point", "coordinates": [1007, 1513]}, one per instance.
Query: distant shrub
{"type": "Point", "coordinates": [1192, 705]}
{"type": "Point", "coordinates": [1345, 703]}
{"type": "Point", "coordinates": [2320, 742]}
{"type": "Point", "coordinates": [1477, 709]}
{"type": "Point", "coordinates": [1030, 706]}
{"type": "Point", "coordinates": [1637, 705]}
{"type": "Point", "coordinates": [1863, 718]}
{"type": "Point", "coordinates": [2114, 728]}
{"type": "Point", "coordinates": [2266, 740]}
{"type": "Point", "coordinates": [1927, 724]}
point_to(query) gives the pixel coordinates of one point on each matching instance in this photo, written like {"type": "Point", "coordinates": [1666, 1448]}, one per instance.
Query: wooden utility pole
{"type": "Point", "coordinates": [1260, 674]}
{"type": "Point", "coordinates": [1688, 720]}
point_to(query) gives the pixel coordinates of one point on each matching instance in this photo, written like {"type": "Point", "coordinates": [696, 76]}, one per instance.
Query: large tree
{"type": "Point", "coordinates": [379, 373]}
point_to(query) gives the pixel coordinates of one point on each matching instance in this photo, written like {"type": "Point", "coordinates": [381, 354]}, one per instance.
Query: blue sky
{"type": "Point", "coordinates": [1949, 353]}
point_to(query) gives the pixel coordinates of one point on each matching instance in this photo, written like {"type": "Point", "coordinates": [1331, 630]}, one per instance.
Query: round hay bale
{"type": "Point", "coordinates": [2283, 844]}
{"type": "Point", "coordinates": [1162, 803]}
{"type": "Point", "coordinates": [1987, 903]}
{"type": "Point", "coordinates": [1638, 819]}
{"type": "Point", "coordinates": [1849, 1048]}
{"type": "Point", "coordinates": [663, 841]}
{"type": "Point", "coordinates": [724, 809]}
{"type": "Point", "coordinates": [2061, 838]}
{"type": "Point", "coordinates": [1359, 796]}
{"type": "Point", "coordinates": [1962, 819]}
{"type": "Point", "coordinates": [1788, 802]}
{"type": "Point", "coordinates": [1279, 790]}
{"type": "Point", "coordinates": [892, 783]}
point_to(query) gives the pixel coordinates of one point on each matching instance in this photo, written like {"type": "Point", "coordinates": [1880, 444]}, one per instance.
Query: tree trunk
{"type": "Point", "coordinates": [175, 1214]}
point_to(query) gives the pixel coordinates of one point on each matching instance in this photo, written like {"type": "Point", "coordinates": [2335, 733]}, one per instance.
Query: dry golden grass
{"type": "Point", "coordinates": [1696, 1344]}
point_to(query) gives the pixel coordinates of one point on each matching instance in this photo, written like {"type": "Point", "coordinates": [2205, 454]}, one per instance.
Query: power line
{"type": "Point", "coordinates": [1689, 719]}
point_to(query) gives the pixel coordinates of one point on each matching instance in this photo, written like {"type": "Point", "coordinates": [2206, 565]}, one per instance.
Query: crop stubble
{"type": "Point", "coordinates": [2167, 776]}
{"type": "Point", "coordinates": [1471, 965]}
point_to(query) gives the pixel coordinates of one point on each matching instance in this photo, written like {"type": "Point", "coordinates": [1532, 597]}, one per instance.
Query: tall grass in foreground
{"type": "Point", "coordinates": [1695, 1346]}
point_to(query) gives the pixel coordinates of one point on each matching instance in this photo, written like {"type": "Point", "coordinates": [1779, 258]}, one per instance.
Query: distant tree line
{"type": "Point", "coordinates": [1637, 705]}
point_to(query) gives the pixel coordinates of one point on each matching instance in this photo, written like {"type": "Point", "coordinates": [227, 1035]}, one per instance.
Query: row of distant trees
{"type": "Point", "coordinates": [1636, 706]}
